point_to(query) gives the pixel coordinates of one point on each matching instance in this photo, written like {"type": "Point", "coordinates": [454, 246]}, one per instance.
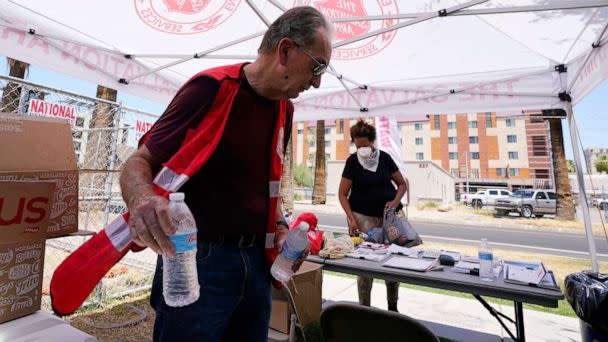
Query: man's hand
{"type": "Point", "coordinates": [281, 237]}
{"type": "Point", "coordinates": [150, 224]}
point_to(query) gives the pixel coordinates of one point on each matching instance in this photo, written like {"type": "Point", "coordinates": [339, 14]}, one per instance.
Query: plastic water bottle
{"type": "Point", "coordinates": [486, 258]}
{"type": "Point", "coordinates": [180, 278]}
{"type": "Point", "coordinates": [297, 241]}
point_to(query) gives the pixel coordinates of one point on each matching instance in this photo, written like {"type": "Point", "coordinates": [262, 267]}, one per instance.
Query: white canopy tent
{"type": "Point", "coordinates": [391, 57]}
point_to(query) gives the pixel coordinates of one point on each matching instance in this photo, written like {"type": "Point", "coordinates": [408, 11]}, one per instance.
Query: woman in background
{"type": "Point", "coordinates": [375, 184]}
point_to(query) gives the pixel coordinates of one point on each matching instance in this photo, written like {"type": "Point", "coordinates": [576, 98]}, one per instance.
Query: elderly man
{"type": "Point", "coordinates": [232, 195]}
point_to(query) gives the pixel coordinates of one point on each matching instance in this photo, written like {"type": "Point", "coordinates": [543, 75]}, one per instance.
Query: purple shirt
{"type": "Point", "coordinates": [229, 194]}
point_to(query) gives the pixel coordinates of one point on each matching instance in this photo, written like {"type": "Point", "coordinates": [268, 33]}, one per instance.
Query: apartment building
{"type": "Point", "coordinates": [509, 150]}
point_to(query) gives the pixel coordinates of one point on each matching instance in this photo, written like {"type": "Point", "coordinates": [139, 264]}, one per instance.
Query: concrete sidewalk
{"type": "Point", "coordinates": [459, 319]}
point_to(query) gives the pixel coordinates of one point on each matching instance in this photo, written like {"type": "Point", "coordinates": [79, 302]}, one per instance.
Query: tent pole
{"type": "Point", "coordinates": [581, 187]}
{"type": "Point", "coordinates": [258, 12]}
{"type": "Point", "coordinates": [428, 16]}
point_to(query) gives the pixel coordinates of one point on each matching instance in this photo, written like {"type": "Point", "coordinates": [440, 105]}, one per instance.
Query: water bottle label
{"type": "Point", "coordinates": [290, 254]}
{"type": "Point", "coordinates": [183, 242]}
{"type": "Point", "coordinates": [485, 256]}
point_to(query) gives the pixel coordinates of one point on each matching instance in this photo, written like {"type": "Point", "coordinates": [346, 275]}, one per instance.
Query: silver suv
{"type": "Point", "coordinates": [528, 203]}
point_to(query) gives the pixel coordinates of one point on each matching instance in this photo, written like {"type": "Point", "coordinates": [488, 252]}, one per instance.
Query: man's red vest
{"type": "Point", "coordinates": [81, 271]}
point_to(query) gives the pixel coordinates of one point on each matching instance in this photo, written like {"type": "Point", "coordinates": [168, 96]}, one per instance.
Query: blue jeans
{"type": "Point", "coordinates": [234, 303]}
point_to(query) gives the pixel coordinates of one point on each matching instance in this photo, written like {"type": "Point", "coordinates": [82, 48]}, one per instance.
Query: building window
{"type": "Point", "coordinates": [472, 124]}
{"type": "Point", "coordinates": [419, 141]}
{"type": "Point", "coordinates": [474, 173]}
{"type": "Point", "coordinates": [327, 143]}
{"type": "Point", "coordinates": [77, 145]}
{"type": "Point", "coordinates": [300, 131]}
{"type": "Point", "coordinates": [512, 138]}
{"type": "Point", "coordinates": [539, 146]}
{"type": "Point", "coordinates": [451, 124]}
{"type": "Point", "coordinates": [489, 120]}
{"type": "Point", "coordinates": [542, 173]}
{"type": "Point", "coordinates": [419, 156]}
{"type": "Point", "coordinates": [510, 122]}
{"type": "Point", "coordinates": [475, 155]}
{"type": "Point", "coordinates": [454, 172]}
{"type": "Point", "coordinates": [79, 122]}
{"type": "Point", "coordinates": [341, 126]}
{"type": "Point", "coordinates": [328, 131]}
{"type": "Point", "coordinates": [77, 134]}
{"type": "Point", "coordinates": [453, 155]}
{"type": "Point", "coordinates": [327, 156]}
{"type": "Point", "coordinates": [311, 130]}
{"type": "Point", "coordinates": [418, 126]}
{"type": "Point", "coordinates": [474, 140]}
{"type": "Point", "coordinates": [452, 140]}
{"type": "Point", "coordinates": [436, 121]}
{"type": "Point", "coordinates": [311, 143]}
{"type": "Point", "coordinates": [514, 172]}
{"type": "Point", "coordinates": [513, 155]}
{"type": "Point", "coordinates": [501, 172]}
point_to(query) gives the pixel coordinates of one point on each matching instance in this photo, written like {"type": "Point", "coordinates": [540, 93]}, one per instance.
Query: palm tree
{"type": "Point", "coordinates": [287, 179]}
{"type": "Point", "coordinates": [565, 206]}
{"type": "Point", "coordinates": [319, 188]}
{"type": "Point", "coordinates": [12, 91]}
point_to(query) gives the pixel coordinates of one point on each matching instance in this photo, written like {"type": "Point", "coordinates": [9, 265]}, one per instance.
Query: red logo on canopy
{"type": "Point", "coordinates": [333, 9]}
{"type": "Point", "coordinates": [344, 30]}
{"type": "Point", "coordinates": [185, 16]}
{"type": "Point", "coordinates": [186, 6]}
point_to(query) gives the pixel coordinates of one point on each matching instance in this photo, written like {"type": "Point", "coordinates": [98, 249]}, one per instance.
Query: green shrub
{"type": "Point", "coordinates": [302, 176]}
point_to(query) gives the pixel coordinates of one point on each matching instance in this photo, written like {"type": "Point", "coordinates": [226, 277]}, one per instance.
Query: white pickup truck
{"type": "Point", "coordinates": [487, 197]}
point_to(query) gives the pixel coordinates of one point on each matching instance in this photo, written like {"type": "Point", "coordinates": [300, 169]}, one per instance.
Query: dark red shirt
{"type": "Point", "coordinates": [229, 194]}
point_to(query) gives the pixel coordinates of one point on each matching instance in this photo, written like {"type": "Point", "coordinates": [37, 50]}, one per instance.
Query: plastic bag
{"type": "Point", "coordinates": [398, 230]}
{"type": "Point", "coordinates": [336, 248]}
{"type": "Point", "coordinates": [314, 236]}
{"type": "Point", "coordinates": [587, 293]}
{"type": "Point", "coordinates": [375, 235]}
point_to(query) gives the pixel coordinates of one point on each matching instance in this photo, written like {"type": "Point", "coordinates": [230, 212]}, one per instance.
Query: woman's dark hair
{"type": "Point", "coordinates": [363, 130]}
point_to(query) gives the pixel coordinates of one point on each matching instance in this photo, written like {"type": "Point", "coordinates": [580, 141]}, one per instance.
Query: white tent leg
{"type": "Point", "coordinates": [581, 187]}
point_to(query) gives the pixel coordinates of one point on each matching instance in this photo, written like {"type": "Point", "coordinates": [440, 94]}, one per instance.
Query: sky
{"type": "Point", "coordinates": [591, 112]}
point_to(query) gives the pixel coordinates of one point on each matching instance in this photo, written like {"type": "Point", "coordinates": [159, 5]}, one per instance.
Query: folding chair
{"type": "Point", "coordinates": [347, 322]}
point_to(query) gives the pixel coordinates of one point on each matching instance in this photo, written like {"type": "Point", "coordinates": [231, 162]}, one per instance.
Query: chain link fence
{"type": "Point", "coordinates": [105, 133]}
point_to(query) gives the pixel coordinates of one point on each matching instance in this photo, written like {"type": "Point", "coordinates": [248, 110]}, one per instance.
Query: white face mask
{"type": "Point", "coordinates": [364, 152]}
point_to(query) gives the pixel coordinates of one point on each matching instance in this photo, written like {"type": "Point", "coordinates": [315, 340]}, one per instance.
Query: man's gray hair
{"type": "Point", "coordinates": [299, 23]}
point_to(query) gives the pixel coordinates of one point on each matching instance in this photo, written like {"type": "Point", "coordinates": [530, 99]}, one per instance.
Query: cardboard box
{"type": "Point", "coordinates": [306, 290]}
{"type": "Point", "coordinates": [25, 208]}
{"type": "Point", "coordinates": [41, 149]}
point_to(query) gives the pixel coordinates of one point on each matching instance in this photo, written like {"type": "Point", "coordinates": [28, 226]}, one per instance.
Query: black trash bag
{"type": "Point", "coordinates": [587, 293]}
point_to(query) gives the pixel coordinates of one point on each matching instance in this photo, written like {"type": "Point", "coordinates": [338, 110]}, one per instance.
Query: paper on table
{"type": "Point", "coordinates": [523, 274]}
{"type": "Point", "coordinates": [396, 249]}
{"type": "Point", "coordinates": [465, 265]}
{"type": "Point", "coordinates": [413, 264]}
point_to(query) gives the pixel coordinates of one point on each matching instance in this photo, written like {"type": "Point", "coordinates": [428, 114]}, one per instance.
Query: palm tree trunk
{"type": "Point", "coordinates": [99, 151]}
{"type": "Point", "coordinates": [12, 91]}
{"type": "Point", "coordinates": [287, 179]}
{"type": "Point", "coordinates": [319, 192]}
{"type": "Point", "coordinates": [565, 207]}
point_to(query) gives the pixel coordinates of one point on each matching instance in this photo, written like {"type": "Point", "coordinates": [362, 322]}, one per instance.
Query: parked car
{"type": "Point", "coordinates": [486, 197]}
{"type": "Point", "coordinates": [528, 203]}
{"type": "Point", "coordinates": [601, 203]}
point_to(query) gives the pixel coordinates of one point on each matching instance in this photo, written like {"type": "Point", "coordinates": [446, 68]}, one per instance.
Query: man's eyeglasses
{"type": "Point", "coordinates": [319, 68]}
